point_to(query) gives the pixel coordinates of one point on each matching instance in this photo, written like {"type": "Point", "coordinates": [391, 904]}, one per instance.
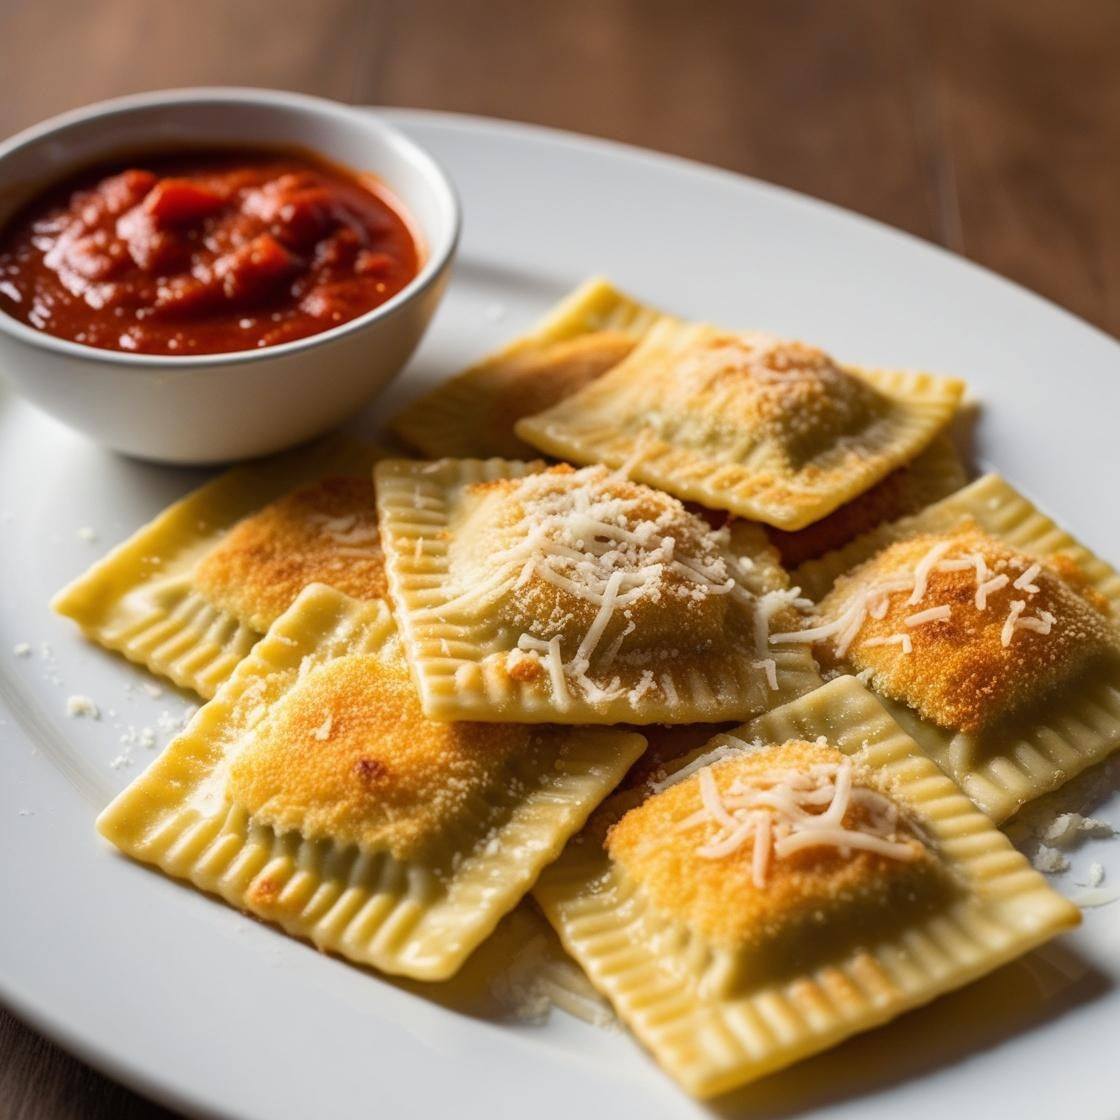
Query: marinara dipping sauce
{"type": "Point", "coordinates": [204, 252]}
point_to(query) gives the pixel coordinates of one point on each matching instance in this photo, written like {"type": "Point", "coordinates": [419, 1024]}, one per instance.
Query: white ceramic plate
{"type": "Point", "coordinates": [186, 1000]}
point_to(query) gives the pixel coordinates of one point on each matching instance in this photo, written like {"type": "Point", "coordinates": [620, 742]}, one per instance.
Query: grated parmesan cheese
{"type": "Point", "coordinates": [923, 570]}
{"type": "Point", "coordinates": [770, 667]}
{"type": "Point", "coordinates": [82, 707]}
{"type": "Point", "coordinates": [1049, 860]}
{"type": "Point", "coordinates": [934, 614]}
{"type": "Point", "coordinates": [902, 640]}
{"type": "Point", "coordinates": [1067, 828]}
{"type": "Point", "coordinates": [1026, 581]}
{"type": "Point", "coordinates": [609, 544]}
{"type": "Point", "coordinates": [984, 588]}
{"type": "Point", "coordinates": [781, 812]}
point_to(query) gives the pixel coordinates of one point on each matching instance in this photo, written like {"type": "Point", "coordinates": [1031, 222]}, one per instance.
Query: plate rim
{"type": "Point", "coordinates": [132, 1073]}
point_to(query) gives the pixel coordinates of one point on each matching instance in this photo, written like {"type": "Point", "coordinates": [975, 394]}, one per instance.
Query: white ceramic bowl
{"type": "Point", "coordinates": [218, 407]}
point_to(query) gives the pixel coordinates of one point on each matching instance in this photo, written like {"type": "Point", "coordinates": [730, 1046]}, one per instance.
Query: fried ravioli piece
{"type": "Point", "coordinates": [771, 430]}
{"type": "Point", "coordinates": [189, 593]}
{"type": "Point", "coordinates": [312, 792]}
{"type": "Point", "coordinates": [805, 877]}
{"type": "Point", "coordinates": [990, 631]}
{"type": "Point", "coordinates": [528, 593]}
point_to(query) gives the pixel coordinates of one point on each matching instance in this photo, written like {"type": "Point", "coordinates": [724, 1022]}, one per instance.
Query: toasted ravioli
{"type": "Point", "coordinates": [531, 594]}
{"type": "Point", "coordinates": [312, 792]}
{"type": "Point", "coordinates": [325, 532]}
{"type": "Point", "coordinates": [771, 430]}
{"type": "Point", "coordinates": [993, 633]}
{"type": "Point", "coordinates": [936, 473]}
{"type": "Point", "coordinates": [472, 415]}
{"type": "Point", "coordinates": [349, 755]}
{"type": "Point", "coordinates": [981, 641]}
{"type": "Point", "coordinates": [666, 843]}
{"type": "Point", "coordinates": [189, 593]}
{"type": "Point", "coordinates": [807, 876]}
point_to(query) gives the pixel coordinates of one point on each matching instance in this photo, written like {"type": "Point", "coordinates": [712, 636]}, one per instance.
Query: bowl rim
{"type": "Point", "coordinates": [437, 258]}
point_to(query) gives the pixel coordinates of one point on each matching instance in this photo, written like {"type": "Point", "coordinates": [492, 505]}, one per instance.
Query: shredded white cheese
{"type": "Point", "coordinates": [610, 551]}
{"type": "Point", "coordinates": [903, 640]}
{"type": "Point", "coordinates": [781, 812]}
{"type": "Point", "coordinates": [770, 667]}
{"type": "Point", "coordinates": [1026, 581]}
{"type": "Point", "coordinates": [922, 571]}
{"type": "Point", "coordinates": [934, 614]}
{"type": "Point", "coordinates": [984, 588]}
{"type": "Point", "coordinates": [874, 602]}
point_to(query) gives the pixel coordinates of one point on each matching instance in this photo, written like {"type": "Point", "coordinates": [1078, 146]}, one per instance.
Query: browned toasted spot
{"type": "Point", "coordinates": [719, 898]}
{"type": "Point", "coordinates": [370, 769]}
{"type": "Point", "coordinates": [959, 673]}
{"type": "Point", "coordinates": [322, 533]}
{"type": "Point", "coordinates": [348, 754]}
{"type": "Point", "coordinates": [527, 668]}
{"type": "Point", "coordinates": [264, 892]}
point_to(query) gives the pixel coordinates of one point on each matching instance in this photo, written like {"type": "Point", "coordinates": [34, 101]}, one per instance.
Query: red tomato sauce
{"type": "Point", "coordinates": [204, 252]}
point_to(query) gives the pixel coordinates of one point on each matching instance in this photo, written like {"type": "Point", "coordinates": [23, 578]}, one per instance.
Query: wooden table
{"type": "Point", "coordinates": [991, 127]}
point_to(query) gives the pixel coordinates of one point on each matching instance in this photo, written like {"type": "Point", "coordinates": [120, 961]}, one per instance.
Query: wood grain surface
{"type": "Point", "coordinates": [991, 127]}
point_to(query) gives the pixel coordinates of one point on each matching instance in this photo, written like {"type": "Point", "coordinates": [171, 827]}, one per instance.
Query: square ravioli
{"type": "Point", "coordinates": [990, 632]}
{"type": "Point", "coordinates": [531, 593]}
{"type": "Point", "coordinates": [472, 415]}
{"type": "Point", "coordinates": [808, 876]}
{"type": "Point", "coordinates": [312, 792]}
{"type": "Point", "coordinates": [189, 593]}
{"type": "Point", "coordinates": [773, 431]}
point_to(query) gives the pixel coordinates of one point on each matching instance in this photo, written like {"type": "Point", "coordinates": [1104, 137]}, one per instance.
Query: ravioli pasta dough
{"type": "Point", "coordinates": [550, 594]}
{"type": "Point", "coordinates": [992, 633]}
{"type": "Point", "coordinates": [189, 594]}
{"type": "Point", "coordinates": [810, 875]}
{"type": "Point", "coordinates": [473, 414]}
{"type": "Point", "coordinates": [935, 474]}
{"type": "Point", "coordinates": [773, 431]}
{"type": "Point", "coordinates": [312, 792]}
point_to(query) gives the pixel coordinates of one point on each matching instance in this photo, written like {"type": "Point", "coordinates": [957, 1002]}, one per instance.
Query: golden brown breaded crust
{"type": "Point", "coordinates": [349, 755]}
{"type": "Point", "coordinates": [538, 605]}
{"type": "Point", "coordinates": [322, 533]}
{"type": "Point", "coordinates": [959, 674]}
{"type": "Point", "coordinates": [718, 897]}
